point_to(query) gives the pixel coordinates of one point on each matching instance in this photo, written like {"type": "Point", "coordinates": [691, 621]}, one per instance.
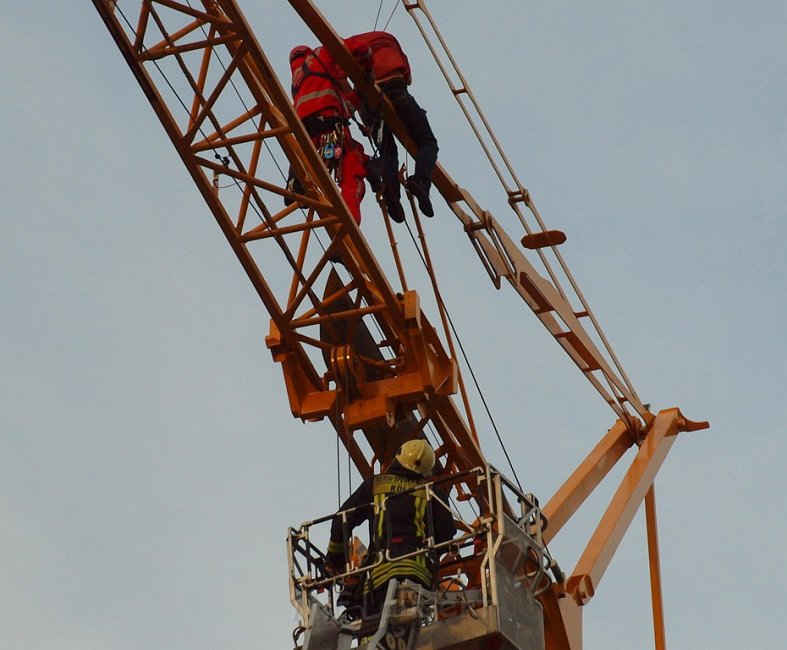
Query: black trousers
{"type": "Point", "coordinates": [414, 120]}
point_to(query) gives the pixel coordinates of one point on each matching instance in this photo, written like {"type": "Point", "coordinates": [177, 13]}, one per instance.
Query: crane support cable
{"type": "Point", "coordinates": [427, 261]}
{"type": "Point", "coordinates": [448, 326]}
{"type": "Point", "coordinates": [515, 190]}
{"type": "Point", "coordinates": [394, 246]}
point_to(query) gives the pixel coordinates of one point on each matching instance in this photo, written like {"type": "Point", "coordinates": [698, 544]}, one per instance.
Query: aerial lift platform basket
{"type": "Point", "coordinates": [486, 594]}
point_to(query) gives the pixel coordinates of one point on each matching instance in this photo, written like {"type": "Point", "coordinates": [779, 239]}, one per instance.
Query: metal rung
{"type": "Point", "coordinates": [474, 225]}
{"type": "Point", "coordinates": [581, 350]}
{"type": "Point", "coordinates": [519, 196]}
{"type": "Point", "coordinates": [530, 288]}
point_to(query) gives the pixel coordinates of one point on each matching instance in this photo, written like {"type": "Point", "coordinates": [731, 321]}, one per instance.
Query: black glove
{"type": "Point", "coordinates": [334, 563]}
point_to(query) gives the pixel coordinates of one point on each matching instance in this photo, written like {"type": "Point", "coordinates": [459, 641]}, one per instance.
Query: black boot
{"type": "Point", "coordinates": [373, 174]}
{"type": "Point", "coordinates": [393, 206]}
{"type": "Point", "coordinates": [293, 185]}
{"type": "Point", "coordinates": [419, 188]}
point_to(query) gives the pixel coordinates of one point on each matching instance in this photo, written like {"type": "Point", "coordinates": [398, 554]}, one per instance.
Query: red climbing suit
{"type": "Point", "coordinates": [324, 103]}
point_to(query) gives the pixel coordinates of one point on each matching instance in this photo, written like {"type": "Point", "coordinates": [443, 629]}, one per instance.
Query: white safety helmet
{"type": "Point", "coordinates": [417, 456]}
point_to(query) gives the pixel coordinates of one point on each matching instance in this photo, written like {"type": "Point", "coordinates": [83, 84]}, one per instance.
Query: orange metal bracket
{"type": "Point", "coordinates": [585, 479]}
{"type": "Point", "coordinates": [626, 501]}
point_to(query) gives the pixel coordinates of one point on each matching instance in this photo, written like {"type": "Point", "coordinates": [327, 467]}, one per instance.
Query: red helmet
{"type": "Point", "coordinates": [299, 52]}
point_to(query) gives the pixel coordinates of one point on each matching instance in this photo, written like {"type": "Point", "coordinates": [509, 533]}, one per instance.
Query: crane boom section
{"type": "Point", "coordinates": [232, 122]}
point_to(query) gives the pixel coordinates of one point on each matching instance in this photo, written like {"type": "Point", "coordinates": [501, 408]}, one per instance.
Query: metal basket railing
{"type": "Point", "coordinates": [506, 538]}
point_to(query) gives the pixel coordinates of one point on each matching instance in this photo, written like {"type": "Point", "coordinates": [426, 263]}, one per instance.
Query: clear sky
{"type": "Point", "coordinates": [150, 467]}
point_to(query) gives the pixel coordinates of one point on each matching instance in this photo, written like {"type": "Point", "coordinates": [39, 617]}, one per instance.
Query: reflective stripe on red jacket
{"type": "Point", "coordinates": [315, 90]}
{"type": "Point", "coordinates": [319, 85]}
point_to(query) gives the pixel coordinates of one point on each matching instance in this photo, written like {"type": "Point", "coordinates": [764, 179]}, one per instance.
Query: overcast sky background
{"type": "Point", "coordinates": [150, 466]}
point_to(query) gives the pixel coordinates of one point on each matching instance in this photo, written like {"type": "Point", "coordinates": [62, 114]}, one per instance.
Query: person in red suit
{"type": "Point", "coordinates": [324, 102]}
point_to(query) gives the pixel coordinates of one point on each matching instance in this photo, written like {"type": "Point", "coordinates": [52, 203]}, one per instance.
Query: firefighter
{"type": "Point", "coordinates": [400, 528]}
{"type": "Point", "coordinates": [392, 74]}
{"type": "Point", "coordinates": [324, 102]}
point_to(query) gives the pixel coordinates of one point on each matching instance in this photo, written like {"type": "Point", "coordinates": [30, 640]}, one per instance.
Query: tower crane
{"type": "Point", "coordinates": [361, 353]}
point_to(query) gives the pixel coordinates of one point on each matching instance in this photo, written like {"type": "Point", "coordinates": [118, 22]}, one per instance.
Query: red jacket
{"type": "Point", "coordinates": [319, 85]}
{"type": "Point", "coordinates": [388, 59]}
{"type": "Point", "coordinates": [315, 90]}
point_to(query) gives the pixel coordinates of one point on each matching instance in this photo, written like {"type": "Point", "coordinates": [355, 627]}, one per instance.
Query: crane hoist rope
{"type": "Point", "coordinates": [390, 16]}
{"type": "Point", "coordinates": [450, 329]}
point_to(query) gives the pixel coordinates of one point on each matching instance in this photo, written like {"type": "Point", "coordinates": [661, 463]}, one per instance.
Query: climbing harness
{"type": "Point", "coordinates": [331, 150]}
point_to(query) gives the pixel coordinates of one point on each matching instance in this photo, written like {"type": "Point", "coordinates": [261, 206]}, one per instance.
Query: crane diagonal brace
{"type": "Point", "coordinates": [627, 499]}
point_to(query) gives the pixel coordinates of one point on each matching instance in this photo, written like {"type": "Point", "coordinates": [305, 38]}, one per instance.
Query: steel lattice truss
{"type": "Point", "coordinates": [233, 125]}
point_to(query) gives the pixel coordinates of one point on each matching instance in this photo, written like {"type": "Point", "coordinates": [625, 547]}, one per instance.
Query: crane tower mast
{"type": "Point", "coordinates": [358, 352]}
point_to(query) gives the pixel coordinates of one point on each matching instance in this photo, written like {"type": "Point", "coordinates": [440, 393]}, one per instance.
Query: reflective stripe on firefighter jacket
{"type": "Point", "coordinates": [314, 87]}
{"type": "Point", "coordinates": [397, 524]}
